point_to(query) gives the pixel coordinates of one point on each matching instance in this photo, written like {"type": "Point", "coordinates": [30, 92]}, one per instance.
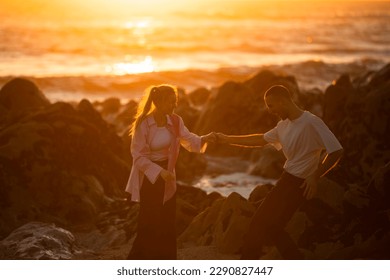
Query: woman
{"type": "Point", "coordinates": [157, 134]}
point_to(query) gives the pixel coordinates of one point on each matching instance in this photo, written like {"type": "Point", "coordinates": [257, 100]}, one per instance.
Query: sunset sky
{"type": "Point", "coordinates": [101, 7]}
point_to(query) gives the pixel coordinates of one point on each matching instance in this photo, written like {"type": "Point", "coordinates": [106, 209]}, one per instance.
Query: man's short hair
{"type": "Point", "coordinates": [278, 91]}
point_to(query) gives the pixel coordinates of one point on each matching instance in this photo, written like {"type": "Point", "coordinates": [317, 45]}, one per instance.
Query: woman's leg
{"type": "Point", "coordinates": [146, 243]}
{"type": "Point", "coordinates": [167, 246]}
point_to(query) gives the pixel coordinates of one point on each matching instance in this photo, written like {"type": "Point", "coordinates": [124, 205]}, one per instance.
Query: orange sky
{"type": "Point", "coordinates": [145, 6]}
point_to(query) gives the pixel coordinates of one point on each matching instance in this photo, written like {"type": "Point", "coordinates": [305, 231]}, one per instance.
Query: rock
{"type": "Point", "coordinates": [320, 224]}
{"type": "Point", "coordinates": [269, 163]}
{"type": "Point", "coordinates": [357, 113]}
{"type": "Point", "coordinates": [297, 225]}
{"type": "Point", "coordinates": [357, 197]}
{"type": "Point", "coordinates": [263, 80]}
{"type": "Point", "coordinates": [312, 101]}
{"type": "Point", "coordinates": [228, 110]}
{"type": "Point", "coordinates": [238, 108]}
{"type": "Point", "coordinates": [204, 253]}
{"type": "Point", "coordinates": [374, 248]}
{"type": "Point", "coordinates": [109, 106]}
{"type": "Point", "coordinates": [327, 250]}
{"type": "Point", "coordinates": [334, 101]}
{"type": "Point", "coordinates": [223, 225]}
{"type": "Point", "coordinates": [185, 212]}
{"type": "Point", "coordinates": [196, 197]}
{"type": "Point", "coordinates": [259, 193]}
{"type": "Point", "coordinates": [199, 97]}
{"type": "Point", "coordinates": [59, 164]}
{"type": "Point", "coordinates": [380, 77]}
{"type": "Point", "coordinates": [125, 117]}
{"type": "Point", "coordinates": [185, 110]}
{"type": "Point", "coordinates": [38, 241]}
{"type": "Point", "coordinates": [20, 95]}
{"type": "Point", "coordinates": [190, 165]}
{"type": "Point", "coordinates": [379, 188]}
{"type": "Point", "coordinates": [331, 193]}
{"type": "Point", "coordinates": [113, 112]}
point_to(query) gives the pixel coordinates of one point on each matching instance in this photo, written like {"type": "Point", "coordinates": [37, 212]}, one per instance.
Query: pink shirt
{"type": "Point", "coordinates": [140, 150]}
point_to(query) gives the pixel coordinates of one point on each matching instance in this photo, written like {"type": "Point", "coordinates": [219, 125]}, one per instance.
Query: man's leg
{"type": "Point", "coordinates": [271, 217]}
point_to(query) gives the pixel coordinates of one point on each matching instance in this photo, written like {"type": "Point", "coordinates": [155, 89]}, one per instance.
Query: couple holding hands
{"type": "Point", "coordinates": [157, 134]}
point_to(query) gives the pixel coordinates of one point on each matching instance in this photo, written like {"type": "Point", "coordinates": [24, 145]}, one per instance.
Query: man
{"type": "Point", "coordinates": [303, 137]}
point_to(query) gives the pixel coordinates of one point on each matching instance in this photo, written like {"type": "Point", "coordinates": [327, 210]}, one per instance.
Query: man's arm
{"type": "Point", "coordinates": [250, 140]}
{"type": "Point", "coordinates": [329, 162]}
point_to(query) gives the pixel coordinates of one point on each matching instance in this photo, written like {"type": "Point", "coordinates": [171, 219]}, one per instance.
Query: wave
{"type": "Point", "coordinates": [309, 74]}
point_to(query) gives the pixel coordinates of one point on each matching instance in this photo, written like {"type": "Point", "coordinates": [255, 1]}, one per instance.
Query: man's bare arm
{"type": "Point", "coordinates": [250, 140]}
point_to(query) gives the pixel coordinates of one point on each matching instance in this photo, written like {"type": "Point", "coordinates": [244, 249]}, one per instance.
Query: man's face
{"type": "Point", "coordinates": [276, 106]}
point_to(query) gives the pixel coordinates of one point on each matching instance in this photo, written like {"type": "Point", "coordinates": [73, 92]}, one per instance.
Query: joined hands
{"type": "Point", "coordinates": [215, 137]}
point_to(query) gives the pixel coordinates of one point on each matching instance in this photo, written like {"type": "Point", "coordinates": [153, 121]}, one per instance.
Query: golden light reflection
{"type": "Point", "coordinates": [135, 67]}
{"type": "Point", "coordinates": [139, 24]}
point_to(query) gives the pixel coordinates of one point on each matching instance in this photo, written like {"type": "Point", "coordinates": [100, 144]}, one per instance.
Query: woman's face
{"type": "Point", "coordinates": [167, 105]}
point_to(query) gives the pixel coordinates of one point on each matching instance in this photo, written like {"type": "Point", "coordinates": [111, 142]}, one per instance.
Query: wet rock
{"type": "Point", "coordinates": [38, 241]}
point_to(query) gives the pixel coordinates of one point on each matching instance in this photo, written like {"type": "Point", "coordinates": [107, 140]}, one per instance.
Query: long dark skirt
{"type": "Point", "coordinates": [156, 232]}
{"type": "Point", "coordinates": [268, 222]}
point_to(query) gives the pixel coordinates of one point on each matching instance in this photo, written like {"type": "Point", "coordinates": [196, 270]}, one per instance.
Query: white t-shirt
{"type": "Point", "coordinates": [302, 141]}
{"type": "Point", "coordinates": [159, 145]}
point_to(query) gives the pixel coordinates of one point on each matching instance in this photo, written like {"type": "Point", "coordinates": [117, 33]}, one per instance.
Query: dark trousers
{"type": "Point", "coordinates": [268, 223]}
{"type": "Point", "coordinates": [156, 231]}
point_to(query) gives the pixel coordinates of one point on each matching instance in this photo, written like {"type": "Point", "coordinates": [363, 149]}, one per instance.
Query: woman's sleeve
{"type": "Point", "coordinates": [190, 141]}
{"type": "Point", "coordinates": [140, 152]}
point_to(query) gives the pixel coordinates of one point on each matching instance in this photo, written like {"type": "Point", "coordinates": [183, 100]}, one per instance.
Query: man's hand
{"type": "Point", "coordinates": [221, 138]}
{"type": "Point", "coordinates": [166, 175]}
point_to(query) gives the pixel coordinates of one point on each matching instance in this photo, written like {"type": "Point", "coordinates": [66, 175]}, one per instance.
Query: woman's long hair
{"type": "Point", "coordinates": [146, 105]}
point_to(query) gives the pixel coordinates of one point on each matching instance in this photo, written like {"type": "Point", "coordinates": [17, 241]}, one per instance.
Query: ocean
{"type": "Point", "coordinates": [99, 57]}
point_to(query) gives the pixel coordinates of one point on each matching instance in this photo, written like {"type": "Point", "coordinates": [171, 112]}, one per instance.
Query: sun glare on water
{"type": "Point", "coordinates": [135, 67]}
{"type": "Point", "coordinates": [134, 64]}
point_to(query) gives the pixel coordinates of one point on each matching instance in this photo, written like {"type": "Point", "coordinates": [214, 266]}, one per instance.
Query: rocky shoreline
{"type": "Point", "coordinates": [63, 168]}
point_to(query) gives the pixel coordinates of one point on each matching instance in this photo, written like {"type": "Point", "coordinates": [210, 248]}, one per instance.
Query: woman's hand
{"type": "Point", "coordinates": [209, 138]}
{"type": "Point", "coordinates": [167, 175]}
